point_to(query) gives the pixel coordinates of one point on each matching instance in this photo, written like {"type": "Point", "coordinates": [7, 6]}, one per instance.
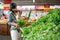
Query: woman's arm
{"type": "Point", "coordinates": [14, 24]}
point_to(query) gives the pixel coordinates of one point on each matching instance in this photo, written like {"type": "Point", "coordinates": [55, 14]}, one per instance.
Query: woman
{"type": "Point", "coordinates": [12, 21]}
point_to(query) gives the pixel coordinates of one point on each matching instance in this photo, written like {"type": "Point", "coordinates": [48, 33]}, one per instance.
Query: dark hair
{"type": "Point", "coordinates": [3, 14]}
{"type": "Point", "coordinates": [12, 6]}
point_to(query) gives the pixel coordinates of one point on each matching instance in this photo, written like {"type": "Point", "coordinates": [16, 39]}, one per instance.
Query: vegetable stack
{"type": "Point", "coordinates": [45, 28]}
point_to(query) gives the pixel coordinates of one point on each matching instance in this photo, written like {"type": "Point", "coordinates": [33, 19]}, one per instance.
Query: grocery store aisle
{"type": "Point", "coordinates": [5, 37]}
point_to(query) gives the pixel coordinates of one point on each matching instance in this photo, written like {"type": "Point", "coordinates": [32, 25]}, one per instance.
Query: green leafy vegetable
{"type": "Point", "coordinates": [46, 28]}
{"type": "Point", "coordinates": [21, 22]}
{"type": "Point", "coordinates": [29, 14]}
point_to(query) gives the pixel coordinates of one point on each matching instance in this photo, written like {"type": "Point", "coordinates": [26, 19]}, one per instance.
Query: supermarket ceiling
{"type": "Point", "coordinates": [37, 2]}
{"type": "Point", "coordinates": [1, 0]}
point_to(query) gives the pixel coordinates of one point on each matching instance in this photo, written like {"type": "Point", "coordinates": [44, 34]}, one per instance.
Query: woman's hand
{"type": "Point", "coordinates": [17, 25]}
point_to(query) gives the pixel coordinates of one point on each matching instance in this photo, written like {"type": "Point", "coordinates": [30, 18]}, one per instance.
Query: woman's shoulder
{"type": "Point", "coordinates": [10, 12]}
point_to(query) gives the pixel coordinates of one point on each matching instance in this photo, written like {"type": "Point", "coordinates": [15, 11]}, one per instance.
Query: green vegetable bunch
{"type": "Point", "coordinates": [21, 22]}
{"type": "Point", "coordinates": [45, 28]}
